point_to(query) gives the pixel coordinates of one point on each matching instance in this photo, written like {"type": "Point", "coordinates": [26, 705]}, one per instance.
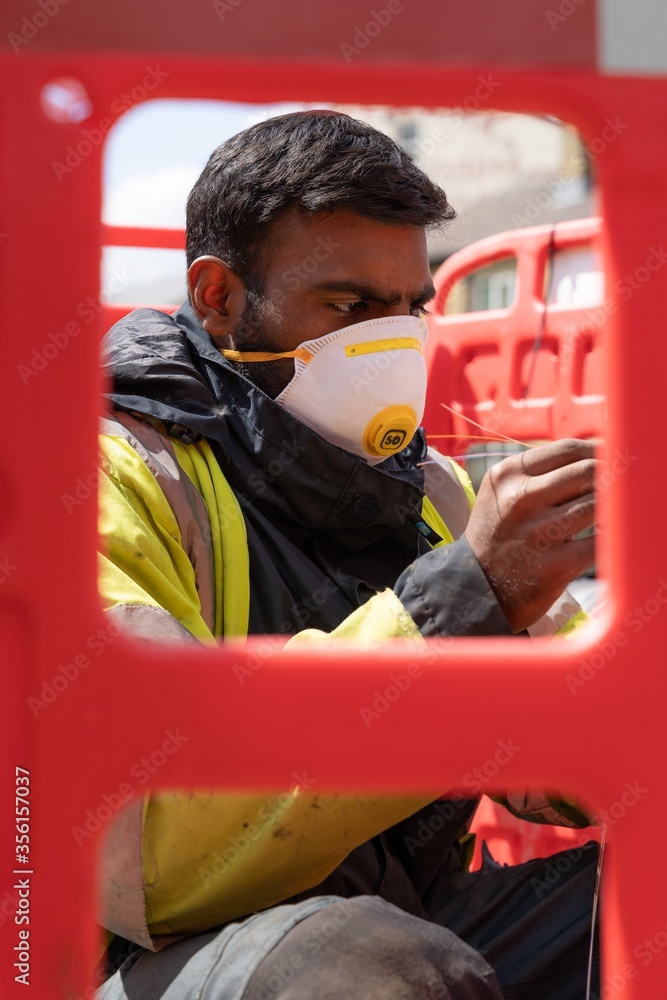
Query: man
{"type": "Point", "coordinates": [264, 473]}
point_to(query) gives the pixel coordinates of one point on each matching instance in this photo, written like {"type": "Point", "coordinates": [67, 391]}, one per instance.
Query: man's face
{"type": "Point", "coordinates": [324, 272]}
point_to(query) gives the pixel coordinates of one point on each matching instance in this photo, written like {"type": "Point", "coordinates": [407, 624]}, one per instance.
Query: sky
{"type": "Point", "coordinates": [153, 156]}
{"type": "Point", "coordinates": [157, 150]}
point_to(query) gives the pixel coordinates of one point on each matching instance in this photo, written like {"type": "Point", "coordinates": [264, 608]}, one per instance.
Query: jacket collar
{"type": "Point", "coordinates": [167, 368]}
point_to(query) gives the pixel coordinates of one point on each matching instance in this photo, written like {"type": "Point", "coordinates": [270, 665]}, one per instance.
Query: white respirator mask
{"type": "Point", "coordinates": [362, 388]}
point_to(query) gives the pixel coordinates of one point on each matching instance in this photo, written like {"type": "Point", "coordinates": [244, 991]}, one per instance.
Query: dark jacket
{"type": "Point", "coordinates": [319, 521]}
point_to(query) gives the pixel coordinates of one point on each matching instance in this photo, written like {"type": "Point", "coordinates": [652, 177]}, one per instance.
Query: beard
{"type": "Point", "coordinates": [259, 330]}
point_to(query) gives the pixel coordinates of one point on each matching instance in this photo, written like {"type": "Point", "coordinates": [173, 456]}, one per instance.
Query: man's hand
{"type": "Point", "coordinates": [528, 508]}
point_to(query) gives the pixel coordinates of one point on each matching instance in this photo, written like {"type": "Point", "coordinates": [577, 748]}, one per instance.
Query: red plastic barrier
{"type": "Point", "coordinates": [531, 371]}
{"type": "Point", "coordinates": [137, 236]}
{"type": "Point", "coordinates": [512, 841]}
{"type": "Point", "coordinates": [589, 739]}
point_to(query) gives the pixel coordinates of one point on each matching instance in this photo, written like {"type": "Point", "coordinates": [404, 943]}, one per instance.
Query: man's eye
{"type": "Point", "coordinates": [418, 310]}
{"type": "Point", "coordinates": [349, 307]}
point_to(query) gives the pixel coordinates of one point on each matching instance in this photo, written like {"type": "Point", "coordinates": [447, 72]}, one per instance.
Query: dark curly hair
{"type": "Point", "coordinates": [317, 160]}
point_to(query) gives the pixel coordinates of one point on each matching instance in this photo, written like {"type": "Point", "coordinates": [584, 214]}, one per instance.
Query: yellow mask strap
{"type": "Point", "coordinates": [301, 353]}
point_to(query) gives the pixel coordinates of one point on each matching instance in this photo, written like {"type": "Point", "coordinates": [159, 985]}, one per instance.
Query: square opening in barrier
{"type": "Point", "coordinates": [503, 173]}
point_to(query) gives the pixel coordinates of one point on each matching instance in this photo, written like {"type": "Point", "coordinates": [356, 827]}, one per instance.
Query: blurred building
{"type": "Point", "coordinates": [500, 171]}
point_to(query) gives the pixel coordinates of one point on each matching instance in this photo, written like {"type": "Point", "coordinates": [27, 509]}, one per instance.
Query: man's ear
{"type": "Point", "coordinates": [218, 297]}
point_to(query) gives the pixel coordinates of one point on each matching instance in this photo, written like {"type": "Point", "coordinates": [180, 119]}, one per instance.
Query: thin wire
{"type": "Point", "coordinates": [540, 332]}
{"type": "Point", "coordinates": [469, 437]}
{"type": "Point", "coordinates": [499, 436]}
{"type": "Point", "coordinates": [470, 456]}
{"type": "Point", "coordinates": [596, 895]}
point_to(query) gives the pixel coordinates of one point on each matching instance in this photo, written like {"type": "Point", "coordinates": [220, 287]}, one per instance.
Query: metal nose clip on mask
{"type": "Point", "coordinates": [362, 388]}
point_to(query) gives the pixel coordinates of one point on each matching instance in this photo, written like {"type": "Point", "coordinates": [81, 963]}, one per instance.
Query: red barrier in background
{"type": "Point", "coordinates": [131, 236]}
{"type": "Point", "coordinates": [531, 371]}
{"type": "Point", "coordinates": [511, 841]}
{"type": "Point", "coordinates": [114, 706]}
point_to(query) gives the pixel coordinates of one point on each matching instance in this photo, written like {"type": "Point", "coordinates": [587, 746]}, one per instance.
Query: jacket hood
{"type": "Point", "coordinates": [166, 367]}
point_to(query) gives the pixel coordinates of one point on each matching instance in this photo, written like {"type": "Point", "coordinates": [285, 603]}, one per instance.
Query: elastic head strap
{"type": "Point", "coordinates": [301, 353]}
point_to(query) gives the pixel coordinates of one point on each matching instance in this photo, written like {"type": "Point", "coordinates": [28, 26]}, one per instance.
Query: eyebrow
{"type": "Point", "coordinates": [374, 293]}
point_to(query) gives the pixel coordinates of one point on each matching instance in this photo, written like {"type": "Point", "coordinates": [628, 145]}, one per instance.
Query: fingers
{"type": "Point", "coordinates": [521, 529]}
{"type": "Point", "coordinates": [575, 558]}
{"type": "Point", "coordinates": [560, 522]}
{"type": "Point", "coordinates": [563, 484]}
{"type": "Point", "coordinates": [549, 475]}
{"type": "Point", "coordinates": [545, 458]}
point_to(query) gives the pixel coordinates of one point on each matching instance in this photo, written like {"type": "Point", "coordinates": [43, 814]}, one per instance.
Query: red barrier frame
{"type": "Point", "coordinates": [294, 716]}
